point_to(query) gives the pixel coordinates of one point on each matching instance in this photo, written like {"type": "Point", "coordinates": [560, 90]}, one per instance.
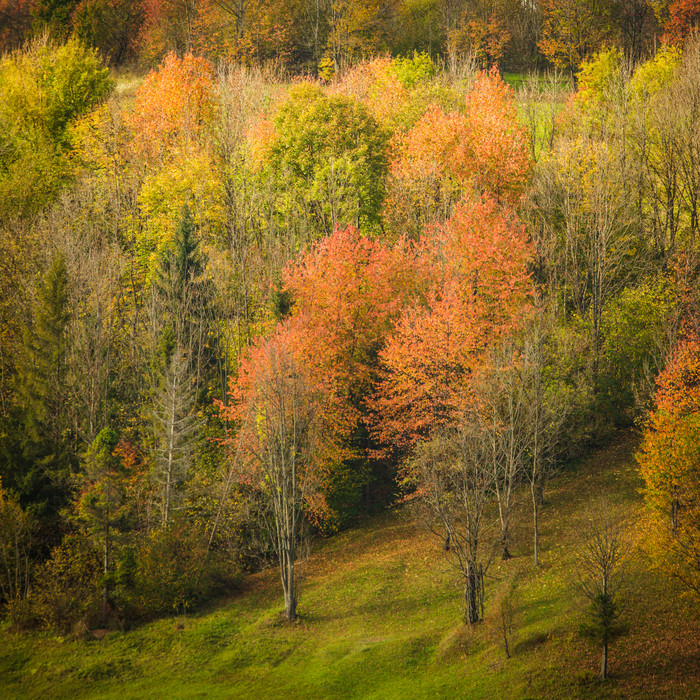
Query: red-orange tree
{"type": "Point", "coordinates": [347, 292]}
{"type": "Point", "coordinates": [483, 150]}
{"type": "Point", "coordinates": [477, 288]}
{"type": "Point", "coordinates": [670, 465]}
{"type": "Point", "coordinates": [683, 18]}
{"type": "Point", "coordinates": [282, 444]}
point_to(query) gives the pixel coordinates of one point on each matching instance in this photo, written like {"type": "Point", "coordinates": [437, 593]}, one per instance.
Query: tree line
{"type": "Point", "coordinates": [322, 36]}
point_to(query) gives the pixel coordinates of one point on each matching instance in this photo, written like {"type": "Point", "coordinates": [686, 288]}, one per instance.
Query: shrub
{"type": "Point", "coordinates": [174, 572]}
{"type": "Point", "coordinates": [67, 588]}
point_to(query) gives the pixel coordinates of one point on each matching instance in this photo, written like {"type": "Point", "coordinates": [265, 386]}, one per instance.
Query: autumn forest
{"type": "Point", "coordinates": [298, 297]}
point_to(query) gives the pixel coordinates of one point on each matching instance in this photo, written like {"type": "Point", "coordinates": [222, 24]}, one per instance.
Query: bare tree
{"type": "Point", "coordinates": [583, 228]}
{"type": "Point", "coordinates": [600, 566]}
{"type": "Point", "coordinates": [456, 487]}
{"type": "Point", "coordinates": [175, 425]}
{"type": "Point", "coordinates": [548, 404]}
{"type": "Point", "coordinates": [501, 394]}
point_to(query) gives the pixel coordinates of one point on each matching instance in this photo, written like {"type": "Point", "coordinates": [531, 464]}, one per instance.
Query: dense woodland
{"type": "Point", "coordinates": [246, 302]}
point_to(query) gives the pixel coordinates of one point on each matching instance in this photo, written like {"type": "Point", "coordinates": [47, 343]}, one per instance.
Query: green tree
{"type": "Point", "coordinates": [329, 156]}
{"type": "Point", "coordinates": [101, 505]}
{"type": "Point", "coordinates": [43, 88]}
{"type": "Point", "coordinates": [601, 570]}
{"type": "Point", "coordinates": [38, 447]}
{"type": "Point", "coordinates": [182, 366]}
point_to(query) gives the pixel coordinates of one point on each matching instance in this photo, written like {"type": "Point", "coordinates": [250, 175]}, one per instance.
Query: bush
{"type": "Point", "coordinates": [411, 70]}
{"type": "Point", "coordinates": [15, 542]}
{"type": "Point", "coordinates": [173, 573]}
{"type": "Point", "coordinates": [67, 590]}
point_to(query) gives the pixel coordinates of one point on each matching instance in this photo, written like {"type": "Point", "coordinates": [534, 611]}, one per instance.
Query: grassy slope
{"type": "Point", "coordinates": [380, 618]}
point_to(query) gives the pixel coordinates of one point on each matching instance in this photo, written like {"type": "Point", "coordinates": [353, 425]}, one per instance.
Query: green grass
{"type": "Point", "coordinates": [515, 80]}
{"type": "Point", "coordinates": [380, 618]}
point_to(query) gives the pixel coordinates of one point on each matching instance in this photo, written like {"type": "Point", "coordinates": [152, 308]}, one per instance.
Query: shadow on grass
{"type": "Point", "coordinates": [534, 641]}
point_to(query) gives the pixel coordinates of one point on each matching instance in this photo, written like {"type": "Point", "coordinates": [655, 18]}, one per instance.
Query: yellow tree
{"type": "Point", "coordinates": [574, 29]}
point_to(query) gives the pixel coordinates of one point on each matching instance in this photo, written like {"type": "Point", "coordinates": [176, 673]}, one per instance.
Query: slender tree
{"type": "Point", "coordinates": [601, 570]}
{"type": "Point", "coordinates": [102, 501]}
{"type": "Point", "coordinates": [456, 488]}
{"type": "Point", "coordinates": [280, 450]}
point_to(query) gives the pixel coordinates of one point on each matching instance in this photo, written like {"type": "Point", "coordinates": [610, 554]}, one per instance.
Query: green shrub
{"type": "Point", "coordinates": [174, 572]}
{"type": "Point", "coordinates": [67, 588]}
{"type": "Point", "coordinates": [411, 70]}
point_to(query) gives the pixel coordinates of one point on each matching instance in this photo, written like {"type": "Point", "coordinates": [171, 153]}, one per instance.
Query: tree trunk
{"type": "Point", "coordinates": [290, 597]}
{"type": "Point", "coordinates": [105, 591]}
{"type": "Point", "coordinates": [505, 537]}
{"type": "Point", "coordinates": [471, 596]}
{"type": "Point", "coordinates": [290, 605]}
{"type": "Point", "coordinates": [535, 525]}
{"type": "Point", "coordinates": [604, 662]}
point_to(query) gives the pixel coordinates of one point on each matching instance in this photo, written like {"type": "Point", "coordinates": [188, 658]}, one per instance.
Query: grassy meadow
{"type": "Point", "coordinates": [380, 618]}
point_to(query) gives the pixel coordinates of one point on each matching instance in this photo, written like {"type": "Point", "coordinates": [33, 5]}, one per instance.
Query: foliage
{"type": "Point", "coordinates": [332, 155]}
{"type": "Point", "coordinates": [173, 107]}
{"type": "Point", "coordinates": [669, 461]}
{"type": "Point", "coordinates": [347, 292]}
{"type": "Point", "coordinates": [282, 448]}
{"type": "Point", "coordinates": [17, 21]}
{"type": "Point", "coordinates": [634, 329]}
{"type": "Point", "coordinates": [43, 88]}
{"type": "Point", "coordinates": [174, 573]}
{"type": "Point", "coordinates": [110, 26]}
{"type": "Point", "coordinates": [573, 30]}
{"type": "Point", "coordinates": [411, 70]}
{"type": "Point", "coordinates": [15, 543]}
{"type": "Point", "coordinates": [66, 591]}
{"type": "Point", "coordinates": [596, 78]}
{"type": "Point", "coordinates": [397, 97]}
{"type": "Point", "coordinates": [496, 144]}
{"type": "Point", "coordinates": [40, 466]}
{"type": "Point", "coordinates": [445, 155]}
{"type": "Point", "coordinates": [477, 289]}
{"type": "Point", "coordinates": [683, 18]}
{"type": "Point", "coordinates": [657, 73]}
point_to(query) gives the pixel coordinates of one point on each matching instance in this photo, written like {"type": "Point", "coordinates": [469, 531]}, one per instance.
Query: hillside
{"type": "Point", "coordinates": [379, 617]}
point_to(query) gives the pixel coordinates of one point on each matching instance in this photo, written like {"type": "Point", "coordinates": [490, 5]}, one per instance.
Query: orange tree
{"type": "Point", "coordinates": [347, 292]}
{"type": "Point", "coordinates": [173, 107]}
{"type": "Point", "coordinates": [282, 444]}
{"type": "Point", "coordinates": [670, 465]}
{"type": "Point", "coordinates": [475, 285]}
{"type": "Point", "coordinates": [482, 150]}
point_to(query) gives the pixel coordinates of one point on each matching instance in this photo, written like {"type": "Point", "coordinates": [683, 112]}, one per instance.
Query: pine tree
{"type": "Point", "coordinates": [101, 506]}
{"type": "Point", "coordinates": [38, 449]}
{"type": "Point", "coordinates": [181, 298]}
